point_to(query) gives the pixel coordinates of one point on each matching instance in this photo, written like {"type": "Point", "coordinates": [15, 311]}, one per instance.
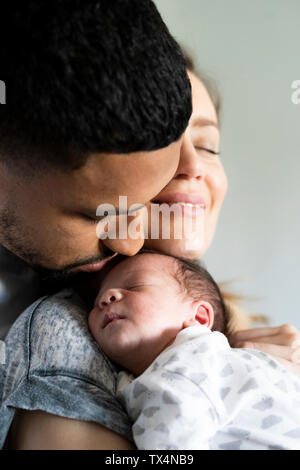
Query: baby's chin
{"type": "Point", "coordinates": [119, 338]}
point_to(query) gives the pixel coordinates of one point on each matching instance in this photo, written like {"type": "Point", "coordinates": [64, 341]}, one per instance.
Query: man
{"type": "Point", "coordinates": [97, 101]}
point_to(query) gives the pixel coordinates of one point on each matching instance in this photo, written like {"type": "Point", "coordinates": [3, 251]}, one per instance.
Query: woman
{"type": "Point", "coordinates": [98, 422]}
{"type": "Point", "coordinates": [201, 174]}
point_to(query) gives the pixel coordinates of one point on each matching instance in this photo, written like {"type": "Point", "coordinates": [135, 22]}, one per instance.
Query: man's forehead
{"type": "Point", "coordinates": [98, 181]}
{"type": "Point", "coordinates": [91, 185]}
{"type": "Point", "coordinates": [102, 179]}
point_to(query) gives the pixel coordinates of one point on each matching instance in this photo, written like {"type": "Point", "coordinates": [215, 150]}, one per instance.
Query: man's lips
{"type": "Point", "coordinates": [110, 317]}
{"type": "Point", "coordinates": [94, 267]}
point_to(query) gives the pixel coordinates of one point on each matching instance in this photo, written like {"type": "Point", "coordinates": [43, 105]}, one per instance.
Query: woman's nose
{"type": "Point", "coordinates": [110, 296]}
{"type": "Point", "coordinates": [190, 164]}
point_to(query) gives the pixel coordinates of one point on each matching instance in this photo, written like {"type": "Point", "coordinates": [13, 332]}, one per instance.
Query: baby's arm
{"type": "Point", "coordinates": [170, 410]}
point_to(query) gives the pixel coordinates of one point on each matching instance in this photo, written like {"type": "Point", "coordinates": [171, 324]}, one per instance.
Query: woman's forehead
{"type": "Point", "coordinates": [203, 107]}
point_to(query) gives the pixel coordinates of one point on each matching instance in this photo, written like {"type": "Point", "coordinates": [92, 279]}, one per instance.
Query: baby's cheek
{"type": "Point", "coordinates": [146, 309]}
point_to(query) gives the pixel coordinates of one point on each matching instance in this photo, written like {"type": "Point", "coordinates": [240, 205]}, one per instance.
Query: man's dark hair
{"type": "Point", "coordinates": [86, 76]}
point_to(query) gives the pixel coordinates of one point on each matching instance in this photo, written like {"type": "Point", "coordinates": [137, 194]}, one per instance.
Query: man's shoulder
{"type": "Point", "coordinates": [65, 307]}
{"type": "Point", "coordinates": [19, 287]}
{"type": "Point", "coordinates": [56, 339]}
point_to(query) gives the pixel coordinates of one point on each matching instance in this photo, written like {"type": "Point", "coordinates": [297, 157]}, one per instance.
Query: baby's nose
{"type": "Point", "coordinates": [110, 296]}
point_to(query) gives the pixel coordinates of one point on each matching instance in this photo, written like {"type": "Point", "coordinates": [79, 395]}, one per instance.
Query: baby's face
{"type": "Point", "coordinates": [139, 309]}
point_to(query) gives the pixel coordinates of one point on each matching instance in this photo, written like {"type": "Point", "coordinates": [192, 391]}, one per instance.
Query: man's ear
{"type": "Point", "coordinates": [204, 313]}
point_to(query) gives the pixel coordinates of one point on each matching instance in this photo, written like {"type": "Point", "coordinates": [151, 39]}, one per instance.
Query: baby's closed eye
{"type": "Point", "coordinates": [135, 287]}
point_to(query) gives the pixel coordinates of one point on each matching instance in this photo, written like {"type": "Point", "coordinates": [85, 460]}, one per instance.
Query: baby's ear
{"type": "Point", "coordinates": [204, 313]}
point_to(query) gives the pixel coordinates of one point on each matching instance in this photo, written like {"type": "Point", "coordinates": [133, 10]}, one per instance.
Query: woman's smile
{"type": "Point", "coordinates": [190, 203]}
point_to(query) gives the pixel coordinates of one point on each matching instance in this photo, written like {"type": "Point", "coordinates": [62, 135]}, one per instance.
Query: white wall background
{"type": "Point", "coordinates": [252, 49]}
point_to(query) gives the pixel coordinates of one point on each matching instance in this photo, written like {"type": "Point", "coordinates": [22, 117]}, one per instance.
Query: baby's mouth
{"type": "Point", "coordinates": [111, 317]}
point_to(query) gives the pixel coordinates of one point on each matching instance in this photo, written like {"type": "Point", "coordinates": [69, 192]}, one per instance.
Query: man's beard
{"type": "Point", "coordinates": [67, 273]}
{"type": "Point", "coordinates": [46, 274]}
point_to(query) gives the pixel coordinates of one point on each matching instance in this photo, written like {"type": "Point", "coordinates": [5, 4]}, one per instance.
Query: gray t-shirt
{"type": "Point", "coordinates": [53, 364]}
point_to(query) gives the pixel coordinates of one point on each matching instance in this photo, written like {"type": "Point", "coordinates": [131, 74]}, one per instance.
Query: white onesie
{"type": "Point", "coordinates": [200, 393]}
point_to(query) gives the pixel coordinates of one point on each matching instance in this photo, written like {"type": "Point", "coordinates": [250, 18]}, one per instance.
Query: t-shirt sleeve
{"type": "Point", "coordinates": [53, 364]}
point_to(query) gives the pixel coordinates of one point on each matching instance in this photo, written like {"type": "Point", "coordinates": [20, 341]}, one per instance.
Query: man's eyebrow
{"type": "Point", "coordinates": [202, 122]}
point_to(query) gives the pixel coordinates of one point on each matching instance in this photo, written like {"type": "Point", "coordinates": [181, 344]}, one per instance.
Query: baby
{"type": "Point", "coordinates": [163, 319]}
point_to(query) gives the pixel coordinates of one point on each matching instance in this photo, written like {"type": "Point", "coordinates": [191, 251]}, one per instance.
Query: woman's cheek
{"type": "Point", "coordinates": [219, 185]}
{"type": "Point", "coordinates": [223, 185]}
{"type": "Point", "coordinates": [222, 178]}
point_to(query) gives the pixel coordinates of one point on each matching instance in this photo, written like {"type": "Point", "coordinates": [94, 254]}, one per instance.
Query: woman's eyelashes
{"type": "Point", "coordinates": [207, 150]}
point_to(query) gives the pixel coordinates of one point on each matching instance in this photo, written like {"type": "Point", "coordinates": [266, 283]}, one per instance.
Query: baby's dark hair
{"type": "Point", "coordinates": [196, 283]}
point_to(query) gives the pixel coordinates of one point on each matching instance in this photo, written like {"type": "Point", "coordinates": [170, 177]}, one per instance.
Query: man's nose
{"type": "Point", "coordinates": [130, 234]}
{"type": "Point", "coordinates": [127, 247]}
{"type": "Point", "coordinates": [190, 164]}
{"type": "Point", "coordinates": [110, 296]}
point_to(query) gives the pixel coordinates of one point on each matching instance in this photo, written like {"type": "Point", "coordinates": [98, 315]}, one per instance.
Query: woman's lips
{"type": "Point", "coordinates": [190, 203]}
{"type": "Point", "coordinates": [184, 198]}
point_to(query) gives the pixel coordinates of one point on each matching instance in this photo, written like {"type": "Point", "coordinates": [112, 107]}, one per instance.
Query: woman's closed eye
{"type": "Point", "coordinates": [208, 150]}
